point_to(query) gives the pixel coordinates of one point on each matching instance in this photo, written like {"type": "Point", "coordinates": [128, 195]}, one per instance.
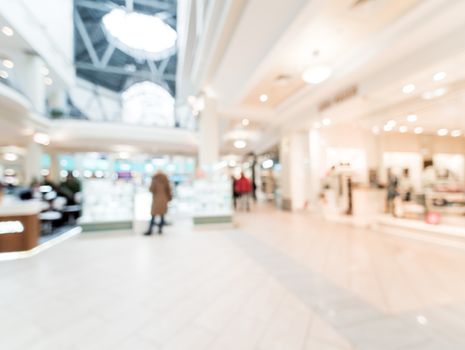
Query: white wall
{"type": "Point", "coordinates": [47, 26]}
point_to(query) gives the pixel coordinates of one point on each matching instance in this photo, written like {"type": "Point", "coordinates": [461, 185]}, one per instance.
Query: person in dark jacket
{"type": "Point", "coordinates": [161, 196]}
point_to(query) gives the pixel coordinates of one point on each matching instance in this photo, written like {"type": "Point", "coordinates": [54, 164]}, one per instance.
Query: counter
{"type": "Point", "coordinates": [19, 224]}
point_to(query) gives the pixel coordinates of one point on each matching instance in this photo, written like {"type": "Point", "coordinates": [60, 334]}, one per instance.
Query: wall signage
{"type": "Point", "coordinates": [341, 96]}
{"type": "Point", "coordinates": [8, 227]}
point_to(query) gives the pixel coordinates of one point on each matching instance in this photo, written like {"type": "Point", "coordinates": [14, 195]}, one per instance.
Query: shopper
{"type": "Point", "coordinates": [235, 194]}
{"type": "Point", "coordinates": [70, 188]}
{"type": "Point", "coordinates": [392, 191]}
{"type": "Point", "coordinates": [243, 188]}
{"type": "Point", "coordinates": [405, 186]}
{"type": "Point", "coordinates": [161, 196]}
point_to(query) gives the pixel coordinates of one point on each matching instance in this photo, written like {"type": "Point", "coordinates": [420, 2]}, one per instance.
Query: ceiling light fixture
{"type": "Point", "coordinates": [41, 138]}
{"type": "Point", "coordinates": [456, 133]}
{"type": "Point", "coordinates": [439, 76]}
{"type": "Point", "coordinates": [8, 31]}
{"type": "Point", "coordinates": [240, 144]}
{"type": "Point", "coordinates": [387, 127]}
{"type": "Point", "coordinates": [8, 63]}
{"type": "Point", "coordinates": [443, 132]}
{"type": "Point", "coordinates": [48, 81]}
{"type": "Point", "coordinates": [440, 92]}
{"type": "Point", "coordinates": [408, 89]}
{"type": "Point", "coordinates": [316, 75]}
{"type": "Point", "coordinates": [326, 121]}
{"type": "Point", "coordinates": [375, 130]}
{"type": "Point", "coordinates": [403, 129]}
{"type": "Point", "coordinates": [429, 95]}
{"type": "Point", "coordinates": [11, 157]}
{"type": "Point", "coordinates": [3, 74]}
{"type": "Point", "coordinates": [418, 130]}
{"type": "Point", "coordinates": [268, 164]}
{"type": "Point", "coordinates": [44, 70]}
{"type": "Point", "coordinates": [245, 122]}
{"type": "Point", "coordinates": [392, 123]}
{"type": "Point", "coordinates": [263, 97]}
{"type": "Point", "coordinates": [412, 118]}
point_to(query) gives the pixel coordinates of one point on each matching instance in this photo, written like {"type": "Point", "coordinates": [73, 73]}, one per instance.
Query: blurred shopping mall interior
{"type": "Point", "coordinates": [232, 174]}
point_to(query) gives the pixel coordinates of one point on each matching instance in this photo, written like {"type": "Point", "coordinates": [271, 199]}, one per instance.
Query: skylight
{"type": "Point", "coordinates": [147, 103]}
{"type": "Point", "coordinates": [140, 35]}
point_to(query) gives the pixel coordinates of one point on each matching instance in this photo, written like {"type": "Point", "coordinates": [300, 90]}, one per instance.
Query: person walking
{"type": "Point", "coordinates": [392, 192]}
{"type": "Point", "coordinates": [244, 188]}
{"type": "Point", "coordinates": [161, 196]}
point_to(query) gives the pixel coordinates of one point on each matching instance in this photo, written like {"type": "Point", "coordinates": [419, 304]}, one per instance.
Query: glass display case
{"type": "Point", "coordinates": [213, 200]}
{"type": "Point", "coordinates": [107, 204]}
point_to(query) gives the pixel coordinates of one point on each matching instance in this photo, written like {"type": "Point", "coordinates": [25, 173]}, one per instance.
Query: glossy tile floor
{"type": "Point", "coordinates": [279, 281]}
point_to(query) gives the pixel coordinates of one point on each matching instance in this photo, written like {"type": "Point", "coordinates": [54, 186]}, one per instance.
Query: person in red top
{"type": "Point", "coordinates": [243, 188]}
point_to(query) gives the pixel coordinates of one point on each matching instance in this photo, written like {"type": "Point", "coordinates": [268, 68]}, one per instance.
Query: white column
{"type": "Point", "coordinates": [294, 170]}
{"type": "Point", "coordinates": [57, 101]}
{"type": "Point", "coordinates": [54, 167]}
{"type": "Point", "coordinates": [209, 138]}
{"type": "Point", "coordinates": [32, 81]}
{"type": "Point", "coordinates": [316, 159]}
{"type": "Point", "coordinates": [32, 165]}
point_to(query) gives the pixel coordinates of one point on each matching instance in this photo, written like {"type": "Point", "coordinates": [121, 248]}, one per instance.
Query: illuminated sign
{"type": "Point", "coordinates": [7, 227]}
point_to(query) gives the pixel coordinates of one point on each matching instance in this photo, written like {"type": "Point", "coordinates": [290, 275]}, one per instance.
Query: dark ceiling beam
{"type": "Point", "coordinates": [107, 55]}
{"type": "Point", "coordinates": [163, 65]}
{"type": "Point", "coordinates": [122, 71]}
{"type": "Point", "coordinates": [101, 6]}
{"type": "Point", "coordinates": [80, 26]}
{"type": "Point", "coordinates": [157, 5]}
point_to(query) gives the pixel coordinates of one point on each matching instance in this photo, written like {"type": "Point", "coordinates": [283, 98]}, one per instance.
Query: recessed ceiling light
{"type": "Point", "coordinates": [263, 97]}
{"type": "Point", "coordinates": [403, 129]}
{"type": "Point", "coordinates": [48, 81]}
{"type": "Point", "coordinates": [44, 70]}
{"type": "Point", "coordinates": [240, 144]}
{"type": "Point", "coordinates": [8, 63]}
{"type": "Point", "coordinates": [123, 155]}
{"type": "Point", "coordinates": [443, 132]}
{"type": "Point", "coordinates": [391, 123]}
{"type": "Point", "coordinates": [387, 127]}
{"type": "Point", "coordinates": [456, 133]}
{"type": "Point", "coordinates": [11, 157]}
{"type": "Point", "coordinates": [408, 89]}
{"type": "Point", "coordinates": [412, 118]}
{"type": "Point", "coordinates": [3, 74]}
{"type": "Point", "coordinates": [429, 95]}
{"type": "Point", "coordinates": [418, 130]}
{"type": "Point", "coordinates": [316, 75]}
{"type": "Point", "coordinates": [268, 164]}
{"type": "Point", "coordinates": [439, 76]}
{"type": "Point", "coordinates": [326, 121]}
{"type": "Point", "coordinates": [375, 129]}
{"type": "Point", "coordinates": [422, 320]}
{"type": "Point", "coordinates": [8, 31]}
{"type": "Point", "coordinates": [41, 138]}
{"type": "Point", "coordinates": [245, 122]}
{"type": "Point", "coordinates": [440, 92]}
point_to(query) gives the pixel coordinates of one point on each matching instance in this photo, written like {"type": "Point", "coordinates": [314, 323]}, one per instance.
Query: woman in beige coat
{"type": "Point", "coordinates": [161, 196]}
